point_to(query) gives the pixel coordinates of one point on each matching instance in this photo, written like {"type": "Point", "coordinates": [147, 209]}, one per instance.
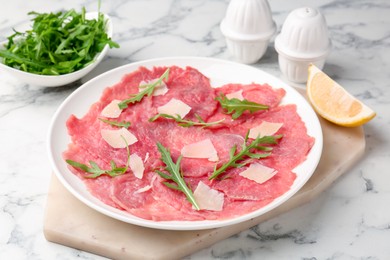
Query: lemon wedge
{"type": "Point", "coordinates": [333, 102]}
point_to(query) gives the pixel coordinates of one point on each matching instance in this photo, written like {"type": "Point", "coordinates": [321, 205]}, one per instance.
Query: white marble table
{"type": "Point", "coordinates": [351, 220]}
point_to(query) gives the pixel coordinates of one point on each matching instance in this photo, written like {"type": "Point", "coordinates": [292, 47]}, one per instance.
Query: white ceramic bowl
{"type": "Point", "coordinates": [303, 40]}
{"type": "Point", "coordinates": [60, 80]}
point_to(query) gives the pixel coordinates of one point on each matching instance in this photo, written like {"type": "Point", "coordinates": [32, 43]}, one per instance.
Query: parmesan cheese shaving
{"type": "Point", "coordinates": [147, 187]}
{"type": "Point", "coordinates": [237, 94]}
{"type": "Point", "coordinates": [258, 173]}
{"type": "Point", "coordinates": [174, 107]}
{"type": "Point", "coordinates": [137, 165]}
{"type": "Point", "coordinates": [112, 110]}
{"type": "Point", "coordinates": [159, 90]}
{"type": "Point", "coordinates": [208, 198]}
{"type": "Point", "coordinates": [119, 137]}
{"type": "Point", "coordinates": [143, 189]}
{"type": "Point", "coordinates": [203, 149]}
{"type": "Point", "coordinates": [264, 129]}
{"type": "Point", "coordinates": [146, 157]}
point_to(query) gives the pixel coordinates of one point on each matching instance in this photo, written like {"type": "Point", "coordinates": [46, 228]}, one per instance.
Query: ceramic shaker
{"type": "Point", "coordinates": [248, 27]}
{"type": "Point", "coordinates": [303, 40]}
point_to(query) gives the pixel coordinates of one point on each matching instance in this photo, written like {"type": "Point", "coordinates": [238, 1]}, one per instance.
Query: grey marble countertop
{"type": "Point", "coordinates": [350, 220]}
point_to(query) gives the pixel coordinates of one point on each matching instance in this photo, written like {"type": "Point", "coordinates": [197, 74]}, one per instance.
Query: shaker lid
{"type": "Point", "coordinates": [304, 35]}
{"type": "Point", "coordinates": [248, 20]}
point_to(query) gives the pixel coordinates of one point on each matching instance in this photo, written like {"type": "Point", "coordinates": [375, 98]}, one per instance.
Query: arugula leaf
{"type": "Point", "coordinates": [148, 90]}
{"type": "Point", "coordinates": [236, 107]}
{"type": "Point", "coordinates": [95, 171]}
{"type": "Point", "coordinates": [58, 43]}
{"type": "Point", "coordinates": [187, 123]}
{"type": "Point", "coordinates": [124, 124]}
{"type": "Point", "coordinates": [244, 157]}
{"type": "Point", "coordinates": [175, 175]}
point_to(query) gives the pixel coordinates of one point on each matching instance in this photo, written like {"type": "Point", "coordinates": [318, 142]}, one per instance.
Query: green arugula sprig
{"type": "Point", "coordinates": [58, 43]}
{"type": "Point", "coordinates": [240, 159]}
{"type": "Point", "coordinates": [148, 90]}
{"type": "Point", "coordinates": [175, 175]}
{"type": "Point", "coordinates": [187, 123]}
{"type": "Point", "coordinates": [95, 171]}
{"type": "Point", "coordinates": [237, 107]}
{"type": "Point", "coordinates": [124, 124]}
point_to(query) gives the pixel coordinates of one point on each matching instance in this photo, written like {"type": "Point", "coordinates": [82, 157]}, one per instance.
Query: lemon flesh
{"type": "Point", "coordinates": [333, 102]}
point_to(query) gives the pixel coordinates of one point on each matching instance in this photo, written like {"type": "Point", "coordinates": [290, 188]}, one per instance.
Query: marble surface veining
{"type": "Point", "coordinates": [351, 220]}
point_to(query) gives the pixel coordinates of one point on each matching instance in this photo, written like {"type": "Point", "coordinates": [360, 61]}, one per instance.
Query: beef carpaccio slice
{"type": "Point", "coordinates": [148, 197]}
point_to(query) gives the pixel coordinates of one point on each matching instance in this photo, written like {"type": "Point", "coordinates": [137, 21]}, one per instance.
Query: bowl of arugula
{"type": "Point", "coordinates": [59, 48]}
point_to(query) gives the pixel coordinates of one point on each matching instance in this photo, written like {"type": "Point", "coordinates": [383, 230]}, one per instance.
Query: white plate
{"type": "Point", "coordinates": [60, 80]}
{"type": "Point", "coordinates": [220, 72]}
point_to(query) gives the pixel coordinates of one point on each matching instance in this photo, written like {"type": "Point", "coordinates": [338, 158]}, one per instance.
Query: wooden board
{"type": "Point", "coordinates": [71, 223]}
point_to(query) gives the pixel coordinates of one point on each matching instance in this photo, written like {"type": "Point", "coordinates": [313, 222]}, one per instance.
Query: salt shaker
{"type": "Point", "coordinates": [248, 27]}
{"type": "Point", "coordinates": [303, 40]}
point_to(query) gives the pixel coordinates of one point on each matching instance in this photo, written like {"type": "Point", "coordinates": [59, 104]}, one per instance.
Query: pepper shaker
{"type": "Point", "coordinates": [303, 40]}
{"type": "Point", "coordinates": [248, 27]}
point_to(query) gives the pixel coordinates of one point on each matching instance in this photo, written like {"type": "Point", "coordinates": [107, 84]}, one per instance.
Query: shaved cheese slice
{"type": "Point", "coordinates": [143, 189]}
{"type": "Point", "coordinates": [203, 149]}
{"type": "Point", "coordinates": [112, 110]}
{"type": "Point", "coordinates": [146, 157]}
{"type": "Point", "coordinates": [147, 187]}
{"type": "Point", "coordinates": [237, 94]}
{"type": "Point", "coordinates": [137, 165]}
{"type": "Point", "coordinates": [159, 90]}
{"type": "Point", "coordinates": [208, 198]}
{"type": "Point", "coordinates": [115, 137]}
{"type": "Point", "coordinates": [174, 107]}
{"type": "Point", "coordinates": [265, 128]}
{"type": "Point", "coordinates": [258, 173]}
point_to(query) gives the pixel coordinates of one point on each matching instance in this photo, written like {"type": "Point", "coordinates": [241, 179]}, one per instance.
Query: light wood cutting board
{"type": "Point", "coordinates": [71, 223]}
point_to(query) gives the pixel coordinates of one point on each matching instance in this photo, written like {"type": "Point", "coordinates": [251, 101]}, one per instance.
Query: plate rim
{"type": "Point", "coordinates": [183, 225]}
